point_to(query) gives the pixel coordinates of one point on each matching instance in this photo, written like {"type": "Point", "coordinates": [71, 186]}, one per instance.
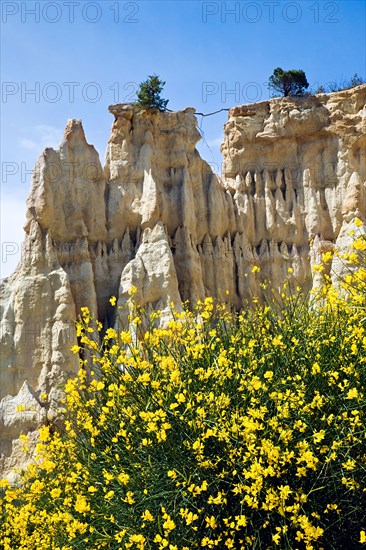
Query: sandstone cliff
{"type": "Point", "coordinates": [157, 217]}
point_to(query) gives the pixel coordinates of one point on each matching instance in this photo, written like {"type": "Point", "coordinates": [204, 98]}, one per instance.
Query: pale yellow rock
{"type": "Point", "coordinates": [158, 218]}
{"type": "Point", "coordinates": [152, 273]}
{"type": "Point", "coordinates": [297, 168]}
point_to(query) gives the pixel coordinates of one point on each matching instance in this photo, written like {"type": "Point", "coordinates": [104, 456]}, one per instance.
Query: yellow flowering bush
{"type": "Point", "coordinates": [220, 430]}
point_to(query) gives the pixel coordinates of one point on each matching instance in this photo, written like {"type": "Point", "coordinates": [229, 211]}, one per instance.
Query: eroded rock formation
{"type": "Point", "coordinates": [157, 217]}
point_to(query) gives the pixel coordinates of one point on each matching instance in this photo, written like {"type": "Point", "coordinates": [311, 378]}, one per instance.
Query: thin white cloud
{"type": "Point", "coordinates": [40, 136]}
{"type": "Point", "coordinates": [50, 135]}
{"type": "Point", "coordinates": [215, 142]}
{"type": "Point", "coordinates": [28, 144]}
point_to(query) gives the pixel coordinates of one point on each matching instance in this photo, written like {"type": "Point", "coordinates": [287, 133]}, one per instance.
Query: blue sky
{"type": "Point", "coordinates": [78, 57]}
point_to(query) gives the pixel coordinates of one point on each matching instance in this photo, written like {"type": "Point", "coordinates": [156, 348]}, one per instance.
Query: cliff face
{"type": "Point", "coordinates": [158, 218]}
{"type": "Point", "coordinates": [296, 169]}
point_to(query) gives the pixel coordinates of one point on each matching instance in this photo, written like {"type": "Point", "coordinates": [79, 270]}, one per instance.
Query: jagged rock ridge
{"type": "Point", "coordinates": [156, 216]}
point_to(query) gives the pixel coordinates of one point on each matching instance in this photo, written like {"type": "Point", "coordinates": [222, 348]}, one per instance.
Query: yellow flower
{"type": "Point", "coordinates": [44, 434]}
{"type": "Point", "coordinates": [119, 536]}
{"type": "Point", "coordinates": [112, 300]}
{"type": "Point", "coordinates": [349, 465]}
{"type": "Point", "coordinates": [315, 369]}
{"type": "Point", "coordinates": [352, 393]}
{"type": "Point", "coordinates": [363, 537]}
{"type": "Point", "coordinates": [211, 522]}
{"type": "Point", "coordinates": [129, 498]}
{"type": "Point", "coordinates": [147, 516]}
{"type": "Point", "coordinates": [285, 491]}
{"type": "Point", "coordinates": [144, 378]}
{"type": "Point", "coordinates": [125, 336]}
{"type": "Point", "coordinates": [256, 383]}
{"type": "Point", "coordinates": [138, 539]}
{"type": "Point", "coordinates": [55, 493]}
{"type": "Point", "coordinates": [81, 504]}
{"type": "Point", "coordinates": [241, 521]}
{"type": "Point", "coordinates": [110, 333]}
{"type": "Point", "coordinates": [318, 436]}
{"type": "Point", "coordinates": [218, 499]}
{"type": "Point", "coordinates": [277, 341]}
{"type": "Point", "coordinates": [123, 478]}
{"type": "Point", "coordinates": [327, 256]}
{"type": "Point", "coordinates": [168, 524]}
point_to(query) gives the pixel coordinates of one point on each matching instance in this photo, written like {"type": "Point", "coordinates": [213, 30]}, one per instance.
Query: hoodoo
{"type": "Point", "coordinates": [158, 218]}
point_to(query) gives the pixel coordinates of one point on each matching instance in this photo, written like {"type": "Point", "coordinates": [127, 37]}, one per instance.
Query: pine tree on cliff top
{"type": "Point", "coordinates": [291, 82]}
{"type": "Point", "coordinates": [149, 92]}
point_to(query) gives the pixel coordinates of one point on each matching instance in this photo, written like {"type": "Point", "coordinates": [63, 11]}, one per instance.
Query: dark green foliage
{"type": "Point", "coordinates": [148, 94]}
{"type": "Point", "coordinates": [291, 82]}
{"type": "Point", "coordinates": [345, 85]}
{"type": "Point", "coordinates": [321, 90]}
{"type": "Point", "coordinates": [355, 81]}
